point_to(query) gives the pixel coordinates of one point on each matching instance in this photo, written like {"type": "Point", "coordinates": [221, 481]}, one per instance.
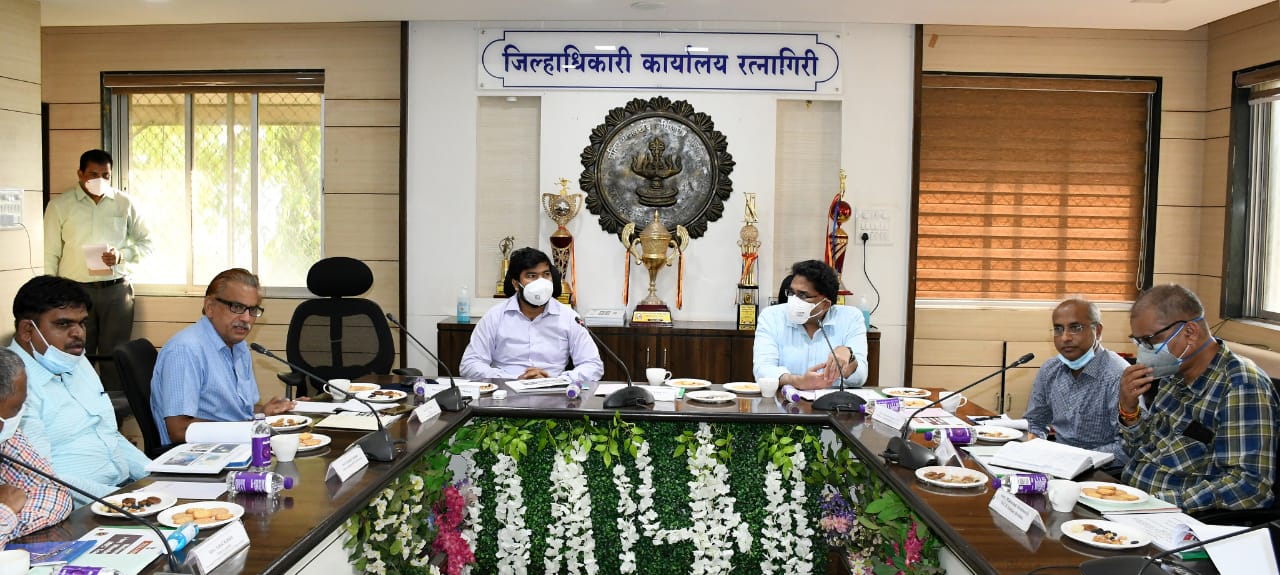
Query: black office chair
{"type": "Point", "coordinates": [135, 362]}
{"type": "Point", "coordinates": [339, 335]}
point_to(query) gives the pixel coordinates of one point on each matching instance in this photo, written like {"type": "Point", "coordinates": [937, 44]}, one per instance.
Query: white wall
{"type": "Point", "coordinates": [877, 62]}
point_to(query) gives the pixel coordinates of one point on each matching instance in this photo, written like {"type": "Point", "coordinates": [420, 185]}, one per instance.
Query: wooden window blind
{"type": "Point", "coordinates": [1031, 188]}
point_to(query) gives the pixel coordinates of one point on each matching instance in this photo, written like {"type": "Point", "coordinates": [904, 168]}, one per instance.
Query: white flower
{"type": "Point", "coordinates": [571, 503]}
{"type": "Point", "coordinates": [513, 553]}
{"type": "Point", "coordinates": [786, 531]}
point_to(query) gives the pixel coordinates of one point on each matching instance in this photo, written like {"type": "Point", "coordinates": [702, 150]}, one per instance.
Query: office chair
{"type": "Point", "coordinates": [135, 362]}
{"type": "Point", "coordinates": [339, 335]}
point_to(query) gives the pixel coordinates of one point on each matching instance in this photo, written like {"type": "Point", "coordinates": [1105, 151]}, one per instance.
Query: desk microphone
{"type": "Point", "coordinates": [629, 396]}
{"type": "Point", "coordinates": [837, 400]}
{"type": "Point", "coordinates": [377, 445]}
{"type": "Point", "coordinates": [1126, 565]}
{"type": "Point", "coordinates": [450, 399]}
{"type": "Point", "coordinates": [173, 561]}
{"type": "Point", "coordinates": [912, 455]}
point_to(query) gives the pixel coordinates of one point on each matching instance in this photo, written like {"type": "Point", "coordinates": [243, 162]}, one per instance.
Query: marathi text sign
{"type": "Point", "coordinates": [764, 61]}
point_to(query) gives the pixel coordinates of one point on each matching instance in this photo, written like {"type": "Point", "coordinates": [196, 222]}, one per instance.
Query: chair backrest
{"type": "Point", "coordinates": [135, 362]}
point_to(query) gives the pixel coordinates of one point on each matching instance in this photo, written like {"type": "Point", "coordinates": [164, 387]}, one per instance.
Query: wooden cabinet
{"type": "Point", "coordinates": [715, 351]}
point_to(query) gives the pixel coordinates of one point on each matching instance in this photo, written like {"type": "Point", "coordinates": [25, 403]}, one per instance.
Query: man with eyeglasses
{"type": "Point", "coordinates": [205, 371]}
{"type": "Point", "coordinates": [1208, 439]}
{"type": "Point", "coordinates": [1077, 392]}
{"type": "Point", "coordinates": [794, 341]}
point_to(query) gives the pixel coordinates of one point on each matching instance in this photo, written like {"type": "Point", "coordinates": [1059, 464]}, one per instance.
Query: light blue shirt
{"type": "Point", "coordinates": [70, 421]}
{"type": "Point", "coordinates": [1082, 410]}
{"type": "Point", "coordinates": [198, 375]}
{"type": "Point", "coordinates": [505, 343]}
{"type": "Point", "coordinates": [783, 347]}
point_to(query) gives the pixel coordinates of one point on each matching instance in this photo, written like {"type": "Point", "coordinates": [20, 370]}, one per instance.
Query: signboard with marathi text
{"type": "Point", "coordinates": [588, 60]}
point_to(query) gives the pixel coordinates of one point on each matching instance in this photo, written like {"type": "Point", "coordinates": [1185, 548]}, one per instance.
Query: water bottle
{"type": "Point", "coordinates": [261, 442]}
{"type": "Point", "coordinates": [957, 435]}
{"type": "Point", "coordinates": [82, 570]}
{"type": "Point", "coordinates": [464, 306]}
{"type": "Point", "coordinates": [258, 482]}
{"type": "Point", "coordinates": [180, 538]}
{"type": "Point", "coordinates": [866, 311]}
{"type": "Point", "coordinates": [790, 394]}
{"type": "Point", "coordinates": [1017, 483]}
{"type": "Point", "coordinates": [574, 391]}
{"type": "Point", "coordinates": [892, 404]}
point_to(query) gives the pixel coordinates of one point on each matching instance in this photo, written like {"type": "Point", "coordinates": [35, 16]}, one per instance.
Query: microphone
{"type": "Point", "coordinates": [1150, 565]}
{"type": "Point", "coordinates": [173, 561]}
{"type": "Point", "coordinates": [450, 399]}
{"type": "Point", "coordinates": [629, 396]}
{"type": "Point", "coordinates": [912, 455]}
{"type": "Point", "coordinates": [839, 400]}
{"type": "Point", "coordinates": [377, 445]}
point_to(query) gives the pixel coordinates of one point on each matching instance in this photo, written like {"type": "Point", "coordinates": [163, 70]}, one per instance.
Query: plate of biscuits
{"type": "Point", "coordinates": [743, 388]}
{"type": "Point", "coordinates": [382, 395]}
{"type": "Point", "coordinates": [140, 503]}
{"type": "Point", "coordinates": [206, 514]}
{"type": "Point", "coordinates": [1102, 492]}
{"type": "Point", "coordinates": [288, 422]}
{"type": "Point", "coordinates": [310, 441]}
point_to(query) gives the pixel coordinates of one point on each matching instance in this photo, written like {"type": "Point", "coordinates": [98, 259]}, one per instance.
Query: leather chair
{"type": "Point", "coordinates": [338, 334]}
{"type": "Point", "coordinates": [135, 362]}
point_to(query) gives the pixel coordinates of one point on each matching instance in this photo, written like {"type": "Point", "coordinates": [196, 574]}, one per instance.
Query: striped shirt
{"type": "Point", "coordinates": [1232, 464]}
{"type": "Point", "coordinates": [69, 420]}
{"type": "Point", "coordinates": [47, 502]}
{"type": "Point", "coordinates": [1082, 410]}
{"type": "Point", "coordinates": [784, 347]}
{"type": "Point", "coordinates": [198, 375]}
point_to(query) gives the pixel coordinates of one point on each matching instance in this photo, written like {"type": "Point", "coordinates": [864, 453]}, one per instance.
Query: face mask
{"type": "Point", "coordinates": [798, 310]}
{"type": "Point", "coordinates": [11, 425]}
{"type": "Point", "coordinates": [1079, 362]}
{"type": "Point", "coordinates": [537, 292]}
{"type": "Point", "coordinates": [1162, 361]}
{"type": "Point", "coordinates": [53, 359]}
{"type": "Point", "coordinates": [98, 186]}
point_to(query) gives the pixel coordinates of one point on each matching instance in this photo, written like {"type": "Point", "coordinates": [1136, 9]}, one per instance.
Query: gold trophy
{"type": "Point", "coordinates": [837, 239]}
{"type": "Point", "coordinates": [504, 246]}
{"type": "Point", "coordinates": [654, 248]}
{"type": "Point", "coordinates": [562, 208]}
{"type": "Point", "coordinates": [748, 289]}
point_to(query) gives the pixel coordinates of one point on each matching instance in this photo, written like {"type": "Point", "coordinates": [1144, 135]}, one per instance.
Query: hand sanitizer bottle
{"type": "Point", "coordinates": [464, 306]}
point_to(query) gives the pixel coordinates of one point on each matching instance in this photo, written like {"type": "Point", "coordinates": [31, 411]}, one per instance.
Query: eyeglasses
{"type": "Point", "coordinates": [1075, 329]}
{"type": "Point", "coordinates": [804, 296]}
{"type": "Point", "coordinates": [1146, 340]}
{"type": "Point", "coordinates": [239, 308]}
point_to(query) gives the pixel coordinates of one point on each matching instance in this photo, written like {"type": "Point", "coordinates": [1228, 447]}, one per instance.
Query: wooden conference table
{"type": "Point", "coordinates": [282, 534]}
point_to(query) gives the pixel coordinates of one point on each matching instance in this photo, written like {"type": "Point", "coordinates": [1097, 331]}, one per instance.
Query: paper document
{"type": "Point", "coordinates": [1250, 553]}
{"type": "Point", "coordinates": [362, 421]}
{"type": "Point", "coordinates": [189, 489]}
{"type": "Point", "coordinates": [659, 392]}
{"type": "Point", "coordinates": [201, 458]}
{"type": "Point", "coordinates": [540, 385]}
{"type": "Point", "coordinates": [93, 259]}
{"type": "Point", "coordinates": [128, 550]}
{"type": "Point", "coordinates": [332, 407]}
{"type": "Point", "coordinates": [1056, 459]}
{"type": "Point", "coordinates": [1167, 530]}
{"type": "Point", "coordinates": [867, 394]}
{"type": "Point", "coordinates": [1003, 421]}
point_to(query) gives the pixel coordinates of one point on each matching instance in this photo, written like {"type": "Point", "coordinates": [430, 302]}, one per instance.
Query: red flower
{"type": "Point", "coordinates": [449, 539]}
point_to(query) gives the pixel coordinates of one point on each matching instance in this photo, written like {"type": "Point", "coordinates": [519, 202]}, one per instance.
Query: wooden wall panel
{"type": "Point", "coordinates": [508, 183]}
{"type": "Point", "coordinates": [808, 175]}
{"type": "Point", "coordinates": [20, 150]}
{"type": "Point", "coordinates": [1181, 172]}
{"type": "Point", "coordinates": [958, 352]}
{"type": "Point", "coordinates": [65, 147]}
{"type": "Point", "coordinates": [19, 96]}
{"type": "Point", "coordinates": [20, 165]}
{"type": "Point", "coordinates": [20, 47]}
{"type": "Point", "coordinates": [1176, 239]}
{"type": "Point", "coordinates": [361, 160]}
{"type": "Point", "coordinates": [1181, 125]}
{"type": "Point", "coordinates": [75, 116]}
{"type": "Point", "coordinates": [362, 226]}
{"type": "Point", "coordinates": [361, 113]}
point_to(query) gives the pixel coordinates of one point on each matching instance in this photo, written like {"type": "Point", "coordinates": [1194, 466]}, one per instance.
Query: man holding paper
{"type": "Point", "coordinates": [205, 371]}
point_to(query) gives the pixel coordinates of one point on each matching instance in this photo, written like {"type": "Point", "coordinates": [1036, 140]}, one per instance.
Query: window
{"type": "Point", "coordinates": [227, 172]}
{"type": "Point", "coordinates": [1034, 188]}
{"type": "Point", "coordinates": [1252, 282]}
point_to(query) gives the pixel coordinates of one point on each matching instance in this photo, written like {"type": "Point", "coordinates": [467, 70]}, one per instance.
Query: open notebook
{"type": "Point", "coordinates": [1050, 457]}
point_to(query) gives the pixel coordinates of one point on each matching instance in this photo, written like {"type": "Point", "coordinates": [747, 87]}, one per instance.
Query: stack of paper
{"type": "Point", "coordinates": [1056, 459]}
{"type": "Point", "coordinates": [541, 385]}
{"type": "Point", "coordinates": [362, 421]}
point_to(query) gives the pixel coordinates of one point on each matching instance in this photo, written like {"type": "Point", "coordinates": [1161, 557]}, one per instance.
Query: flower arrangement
{"type": "Point", "coordinates": [394, 533]}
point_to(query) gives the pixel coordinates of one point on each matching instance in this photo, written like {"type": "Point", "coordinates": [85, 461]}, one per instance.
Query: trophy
{"type": "Point", "coordinates": [504, 246]}
{"type": "Point", "coordinates": [837, 239]}
{"type": "Point", "coordinates": [562, 208]}
{"type": "Point", "coordinates": [748, 289]}
{"type": "Point", "coordinates": [654, 247]}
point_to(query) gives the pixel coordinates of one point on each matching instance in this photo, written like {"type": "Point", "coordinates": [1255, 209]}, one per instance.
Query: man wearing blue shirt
{"type": "Point", "coordinates": [794, 341]}
{"type": "Point", "coordinates": [68, 417]}
{"type": "Point", "coordinates": [205, 372]}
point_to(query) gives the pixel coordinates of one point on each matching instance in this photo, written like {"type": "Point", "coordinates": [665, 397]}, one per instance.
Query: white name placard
{"type": "Point", "coordinates": [1011, 508]}
{"type": "Point", "coordinates": [217, 548]}
{"type": "Point", "coordinates": [613, 59]}
{"type": "Point", "coordinates": [426, 411]}
{"type": "Point", "coordinates": [946, 450]}
{"type": "Point", "coordinates": [344, 467]}
{"type": "Point", "coordinates": [894, 419]}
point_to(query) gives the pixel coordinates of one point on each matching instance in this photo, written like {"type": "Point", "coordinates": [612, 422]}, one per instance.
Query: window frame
{"type": "Point", "coordinates": [1239, 206]}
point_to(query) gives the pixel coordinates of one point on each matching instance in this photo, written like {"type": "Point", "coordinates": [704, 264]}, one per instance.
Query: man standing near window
{"type": "Point", "coordinates": [91, 233]}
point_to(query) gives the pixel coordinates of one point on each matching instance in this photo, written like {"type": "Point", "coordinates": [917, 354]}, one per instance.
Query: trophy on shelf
{"type": "Point", "coordinates": [748, 288]}
{"type": "Point", "coordinates": [504, 247]}
{"type": "Point", "coordinates": [654, 247]}
{"type": "Point", "coordinates": [837, 239]}
{"type": "Point", "coordinates": [562, 208]}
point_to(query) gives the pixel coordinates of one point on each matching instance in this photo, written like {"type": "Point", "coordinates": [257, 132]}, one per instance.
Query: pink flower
{"type": "Point", "coordinates": [449, 539]}
{"type": "Point", "coordinates": [913, 545]}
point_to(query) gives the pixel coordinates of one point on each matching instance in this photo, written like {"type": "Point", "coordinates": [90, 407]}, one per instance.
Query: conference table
{"type": "Point", "coordinates": [283, 531]}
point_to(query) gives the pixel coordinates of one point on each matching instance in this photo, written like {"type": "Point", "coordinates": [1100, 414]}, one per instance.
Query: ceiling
{"type": "Point", "coordinates": [1116, 14]}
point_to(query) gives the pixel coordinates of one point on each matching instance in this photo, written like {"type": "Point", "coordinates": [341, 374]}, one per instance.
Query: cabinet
{"type": "Point", "coordinates": [715, 351]}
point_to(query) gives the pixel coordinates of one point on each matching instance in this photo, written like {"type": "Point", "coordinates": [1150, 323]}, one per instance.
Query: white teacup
{"type": "Point", "coordinates": [284, 446]}
{"type": "Point", "coordinates": [953, 401]}
{"type": "Point", "coordinates": [1063, 494]}
{"type": "Point", "coordinates": [15, 562]}
{"type": "Point", "coordinates": [342, 384]}
{"type": "Point", "coordinates": [657, 375]}
{"type": "Point", "coordinates": [768, 386]}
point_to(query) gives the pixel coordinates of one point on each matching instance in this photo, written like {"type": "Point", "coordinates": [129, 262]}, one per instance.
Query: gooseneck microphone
{"type": "Point", "coordinates": [629, 396]}
{"type": "Point", "coordinates": [450, 399]}
{"type": "Point", "coordinates": [912, 455]}
{"type": "Point", "coordinates": [377, 445]}
{"type": "Point", "coordinates": [1149, 565]}
{"type": "Point", "coordinates": [837, 400]}
{"type": "Point", "coordinates": [173, 561]}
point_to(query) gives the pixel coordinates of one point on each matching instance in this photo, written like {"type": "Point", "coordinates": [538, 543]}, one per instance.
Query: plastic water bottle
{"type": "Point", "coordinates": [464, 306]}
{"type": "Point", "coordinates": [892, 404]}
{"type": "Point", "coordinates": [185, 533]}
{"type": "Point", "coordinates": [574, 391]}
{"type": "Point", "coordinates": [261, 442]}
{"type": "Point", "coordinates": [82, 570]}
{"type": "Point", "coordinates": [790, 394]}
{"type": "Point", "coordinates": [957, 435]}
{"type": "Point", "coordinates": [866, 311]}
{"type": "Point", "coordinates": [1022, 483]}
{"type": "Point", "coordinates": [267, 482]}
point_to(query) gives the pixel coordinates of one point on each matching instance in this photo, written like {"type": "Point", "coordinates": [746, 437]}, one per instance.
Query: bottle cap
{"type": "Point", "coordinates": [995, 482]}
{"type": "Point", "coordinates": [288, 482]}
{"type": "Point", "coordinates": [928, 435]}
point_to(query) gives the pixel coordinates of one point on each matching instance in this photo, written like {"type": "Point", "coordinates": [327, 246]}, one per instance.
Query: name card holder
{"type": "Point", "coordinates": [348, 464]}
{"type": "Point", "coordinates": [1013, 510]}
{"type": "Point", "coordinates": [426, 411]}
{"type": "Point", "coordinates": [217, 548]}
{"type": "Point", "coordinates": [894, 419]}
{"type": "Point", "coordinates": [946, 450]}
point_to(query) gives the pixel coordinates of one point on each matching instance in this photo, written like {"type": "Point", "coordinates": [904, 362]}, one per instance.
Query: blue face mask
{"type": "Point", "coordinates": [53, 359]}
{"type": "Point", "coordinates": [11, 425]}
{"type": "Point", "coordinates": [1164, 363]}
{"type": "Point", "coordinates": [1078, 363]}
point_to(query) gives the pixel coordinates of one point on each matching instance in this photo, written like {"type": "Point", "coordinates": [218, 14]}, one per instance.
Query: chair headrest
{"type": "Point", "coordinates": [339, 277]}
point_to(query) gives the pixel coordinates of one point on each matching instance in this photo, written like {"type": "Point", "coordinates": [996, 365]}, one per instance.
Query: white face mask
{"type": "Point", "coordinates": [98, 186]}
{"type": "Point", "coordinates": [11, 424]}
{"type": "Point", "coordinates": [798, 310]}
{"type": "Point", "coordinates": [538, 292]}
{"type": "Point", "coordinates": [53, 359]}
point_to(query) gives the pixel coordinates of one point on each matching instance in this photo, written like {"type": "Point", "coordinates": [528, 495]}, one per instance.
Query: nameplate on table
{"type": "Point", "coordinates": [218, 547]}
{"type": "Point", "coordinates": [946, 450]}
{"type": "Point", "coordinates": [894, 419]}
{"type": "Point", "coordinates": [426, 411]}
{"type": "Point", "coordinates": [1011, 508]}
{"type": "Point", "coordinates": [344, 467]}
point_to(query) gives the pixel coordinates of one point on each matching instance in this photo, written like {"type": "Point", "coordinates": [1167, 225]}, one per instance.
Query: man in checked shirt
{"type": "Point", "coordinates": [28, 502]}
{"type": "Point", "coordinates": [1208, 439]}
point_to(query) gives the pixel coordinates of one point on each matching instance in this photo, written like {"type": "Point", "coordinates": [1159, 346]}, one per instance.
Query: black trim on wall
{"type": "Point", "coordinates": [403, 201]}
{"type": "Point", "coordinates": [44, 153]}
{"type": "Point", "coordinates": [909, 352]}
{"type": "Point", "coordinates": [1146, 267]}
